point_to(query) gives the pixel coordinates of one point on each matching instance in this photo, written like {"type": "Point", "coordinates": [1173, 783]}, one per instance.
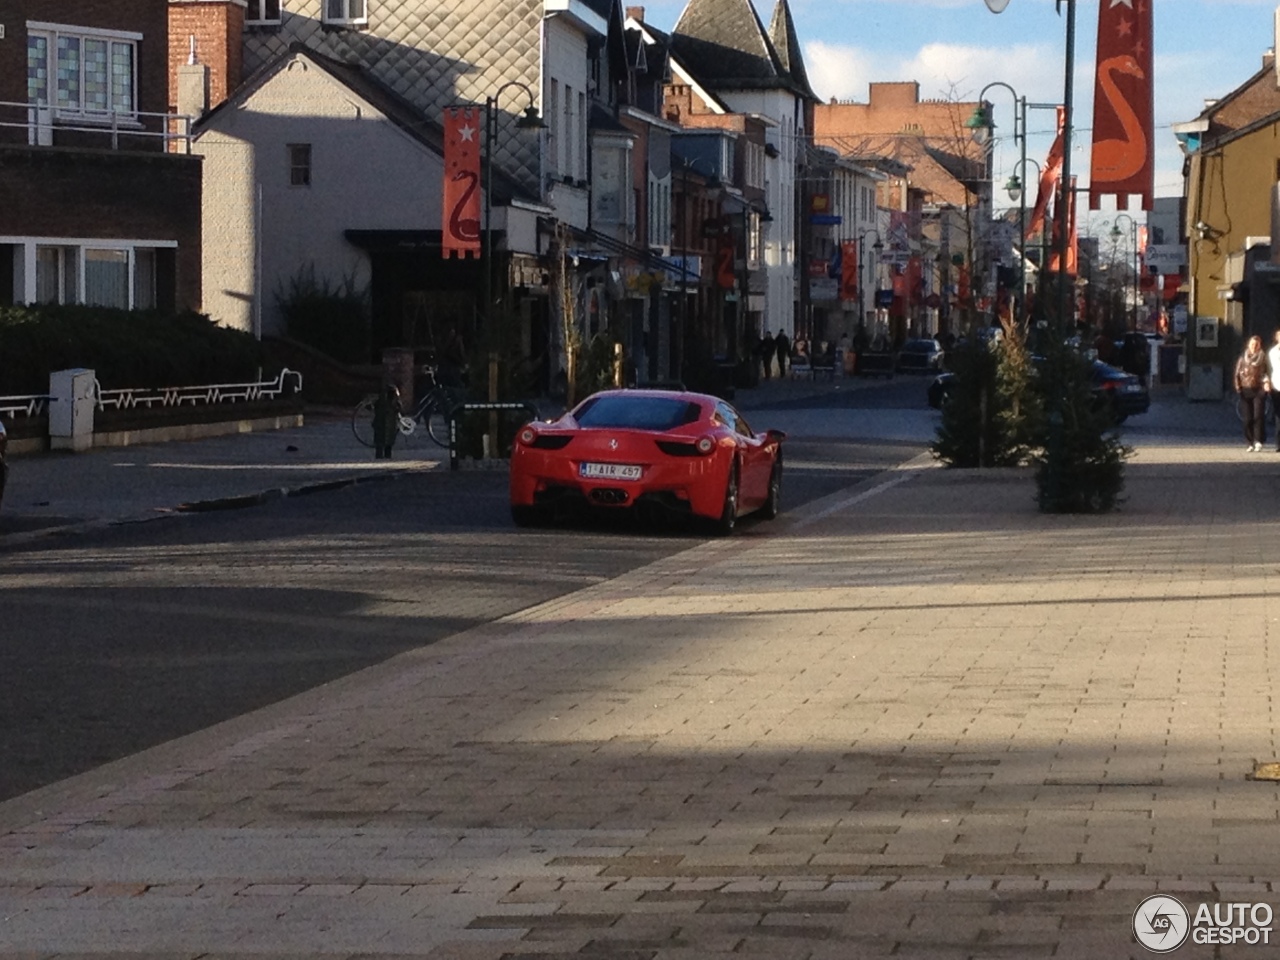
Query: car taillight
{"type": "Point", "coordinates": [527, 436]}
{"type": "Point", "coordinates": [685, 448]}
{"type": "Point", "coordinates": [551, 441]}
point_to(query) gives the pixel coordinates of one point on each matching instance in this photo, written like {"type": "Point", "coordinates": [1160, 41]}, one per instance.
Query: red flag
{"type": "Point", "coordinates": [1050, 174]}
{"type": "Point", "coordinates": [461, 207]}
{"type": "Point", "coordinates": [849, 270]}
{"type": "Point", "coordinates": [1072, 237]}
{"type": "Point", "coordinates": [725, 276]}
{"type": "Point", "coordinates": [915, 280]}
{"type": "Point", "coordinates": [1122, 105]}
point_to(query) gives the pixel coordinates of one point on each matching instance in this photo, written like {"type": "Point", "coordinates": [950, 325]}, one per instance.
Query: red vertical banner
{"type": "Point", "coordinates": [1050, 174]}
{"type": "Point", "coordinates": [461, 208]}
{"type": "Point", "coordinates": [915, 281]}
{"type": "Point", "coordinates": [1073, 244]}
{"type": "Point", "coordinates": [849, 270]}
{"type": "Point", "coordinates": [1123, 105]}
{"type": "Point", "coordinates": [726, 277]}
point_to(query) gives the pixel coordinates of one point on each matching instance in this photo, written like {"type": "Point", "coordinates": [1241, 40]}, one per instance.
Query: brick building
{"type": "Point", "coordinates": [94, 206]}
{"type": "Point", "coordinates": [938, 241]}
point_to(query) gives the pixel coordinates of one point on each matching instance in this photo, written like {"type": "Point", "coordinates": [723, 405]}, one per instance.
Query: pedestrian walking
{"type": "Point", "coordinates": [1252, 384]}
{"type": "Point", "coordinates": [767, 349]}
{"type": "Point", "coordinates": [386, 421]}
{"type": "Point", "coordinates": [1273, 373]}
{"type": "Point", "coordinates": [783, 346]}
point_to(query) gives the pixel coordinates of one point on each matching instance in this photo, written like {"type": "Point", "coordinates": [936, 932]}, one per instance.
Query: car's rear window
{"type": "Point", "coordinates": [637, 412]}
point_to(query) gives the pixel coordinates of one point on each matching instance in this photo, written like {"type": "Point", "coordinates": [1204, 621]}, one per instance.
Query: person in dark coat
{"type": "Point", "coordinates": [386, 421]}
{"type": "Point", "coordinates": [767, 349]}
{"type": "Point", "coordinates": [783, 346]}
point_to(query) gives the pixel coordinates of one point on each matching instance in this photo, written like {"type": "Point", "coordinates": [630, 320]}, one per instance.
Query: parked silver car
{"type": "Point", "coordinates": [921, 355]}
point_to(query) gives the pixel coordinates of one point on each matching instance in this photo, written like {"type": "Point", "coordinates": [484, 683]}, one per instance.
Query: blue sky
{"type": "Point", "coordinates": [1203, 49]}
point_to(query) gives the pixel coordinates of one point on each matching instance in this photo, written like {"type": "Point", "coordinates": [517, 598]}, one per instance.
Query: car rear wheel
{"type": "Point", "coordinates": [773, 505]}
{"type": "Point", "coordinates": [729, 513]}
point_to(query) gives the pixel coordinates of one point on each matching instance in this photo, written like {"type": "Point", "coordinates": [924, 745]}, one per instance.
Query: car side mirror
{"type": "Point", "coordinates": [774, 436]}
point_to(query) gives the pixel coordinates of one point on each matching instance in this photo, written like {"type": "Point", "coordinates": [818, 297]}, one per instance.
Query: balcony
{"type": "Point", "coordinates": [40, 125]}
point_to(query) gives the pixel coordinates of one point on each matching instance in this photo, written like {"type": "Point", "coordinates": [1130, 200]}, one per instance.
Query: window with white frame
{"type": "Point", "coordinates": [553, 132]}
{"type": "Point", "coordinates": [82, 73]}
{"type": "Point", "coordinates": [659, 211]}
{"type": "Point", "coordinates": [345, 11]}
{"type": "Point", "coordinates": [581, 171]}
{"type": "Point", "coordinates": [262, 11]}
{"type": "Point", "coordinates": [106, 273]}
{"type": "Point", "coordinates": [611, 184]}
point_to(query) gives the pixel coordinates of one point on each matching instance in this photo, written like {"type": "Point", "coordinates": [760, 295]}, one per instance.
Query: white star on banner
{"type": "Point", "coordinates": [1121, 3]}
{"type": "Point", "coordinates": [466, 132]}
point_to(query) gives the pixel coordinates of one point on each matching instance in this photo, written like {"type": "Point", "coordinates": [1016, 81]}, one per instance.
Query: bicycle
{"type": "Point", "coordinates": [430, 415]}
{"type": "Point", "coordinates": [1237, 404]}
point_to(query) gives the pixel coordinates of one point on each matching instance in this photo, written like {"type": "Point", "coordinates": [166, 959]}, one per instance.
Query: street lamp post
{"type": "Point", "coordinates": [712, 189]}
{"type": "Point", "coordinates": [982, 127]}
{"type": "Point", "coordinates": [1018, 194]}
{"type": "Point", "coordinates": [1054, 443]}
{"type": "Point", "coordinates": [862, 269]}
{"type": "Point", "coordinates": [1064, 192]}
{"type": "Point", "coordinates": [1116, 234]}
{"type": "Point", "coordinates": [529, 120]}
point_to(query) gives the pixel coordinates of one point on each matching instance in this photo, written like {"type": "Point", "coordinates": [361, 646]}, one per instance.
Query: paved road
{"type": "Point", "coordinates": [119, 638]}
{"type": "Point", "coordinates": [913, 719]}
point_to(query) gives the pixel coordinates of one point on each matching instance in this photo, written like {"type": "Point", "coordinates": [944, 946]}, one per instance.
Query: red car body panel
{"type": "Point", "coordinates": [692, 483]}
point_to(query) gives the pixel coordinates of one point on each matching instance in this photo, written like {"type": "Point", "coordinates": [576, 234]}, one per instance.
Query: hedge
{"type": "Point", "coordinates": [125, 348]}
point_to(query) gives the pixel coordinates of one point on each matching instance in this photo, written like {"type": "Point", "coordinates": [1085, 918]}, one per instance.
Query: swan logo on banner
{"type": "Point", "coordinates": [1122, 105]}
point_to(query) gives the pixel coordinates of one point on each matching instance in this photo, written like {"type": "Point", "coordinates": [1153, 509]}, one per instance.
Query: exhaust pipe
{"type": "Point", "coordinates": [609, 495]}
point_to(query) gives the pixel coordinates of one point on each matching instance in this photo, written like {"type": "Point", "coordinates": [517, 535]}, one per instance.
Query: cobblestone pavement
{"type": "Point", "coordinates": [922, 721]}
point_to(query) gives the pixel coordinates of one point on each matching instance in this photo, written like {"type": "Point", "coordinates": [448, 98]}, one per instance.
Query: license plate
{"type": "Point", "coordinates": [608, 471]}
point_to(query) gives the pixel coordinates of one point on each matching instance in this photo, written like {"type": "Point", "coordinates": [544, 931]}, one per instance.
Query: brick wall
{"type": "Point", "coordinates": [108, 195]}
{"type": "Point", "coordinates": [218, 26]}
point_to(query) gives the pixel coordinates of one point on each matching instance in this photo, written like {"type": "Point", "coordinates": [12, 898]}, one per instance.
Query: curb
{"type": "Point", "coordinates": [238, 502]}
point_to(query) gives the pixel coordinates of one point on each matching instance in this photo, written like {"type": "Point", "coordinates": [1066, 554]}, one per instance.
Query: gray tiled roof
{"type": "Point", "coordinates": [782, 31]}
{"type": "Point", "coordinates": [724, 43]}
{"type": "Point", "coordinates": [432, 53]}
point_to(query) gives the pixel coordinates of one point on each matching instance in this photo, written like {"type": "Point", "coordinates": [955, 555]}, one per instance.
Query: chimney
{"type": "Point", "coordinates": [193, 85]}
{"type": "Point", "coordinates": [218, 29]}
{"type": "Point", "coordinates": [636, 13]}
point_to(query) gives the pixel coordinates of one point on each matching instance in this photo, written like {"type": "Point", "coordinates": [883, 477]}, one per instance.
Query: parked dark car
{"type": "Point", "coordinates": [940, 388]}
{"type": "Point", "coordinates": [1122, 392]}
{"type": "Point", "coordinates": [4, 463]}
{"type": "Point", "coordinates": [923, 355]}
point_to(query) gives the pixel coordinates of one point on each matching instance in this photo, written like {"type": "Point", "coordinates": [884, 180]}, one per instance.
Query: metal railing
{"type": "Point", "coordinates": [43, 122]}
{"type": "Point", "coordinates": [287, 383]}
{"type": "Point", "coordinates": [31, 405]}
{"type": "Point", "coordinates": [459, 410]}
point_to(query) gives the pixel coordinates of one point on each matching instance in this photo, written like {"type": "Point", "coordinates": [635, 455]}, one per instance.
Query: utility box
{"type": "Point", "coordinates": [71, 405]}
{"type": "Point", "coordinates": [1205, 382]}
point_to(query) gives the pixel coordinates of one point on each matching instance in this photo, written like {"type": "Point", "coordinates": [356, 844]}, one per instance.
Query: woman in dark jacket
{"type": "Point", "coordinates": [1252, 383]}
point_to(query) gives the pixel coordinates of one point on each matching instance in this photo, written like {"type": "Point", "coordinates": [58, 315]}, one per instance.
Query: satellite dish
{"type": "Point", "coordinates": [997, 6]}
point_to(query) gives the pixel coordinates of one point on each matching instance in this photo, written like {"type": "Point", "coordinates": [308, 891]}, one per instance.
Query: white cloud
{"type": "Point", "coordinates": [944, 71]}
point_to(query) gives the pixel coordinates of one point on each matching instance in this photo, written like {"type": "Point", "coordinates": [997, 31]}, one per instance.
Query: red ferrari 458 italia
{"type": "Point", "coordinates": [679, 453]}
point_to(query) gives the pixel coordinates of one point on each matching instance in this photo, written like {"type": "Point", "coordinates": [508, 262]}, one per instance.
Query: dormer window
{"type": "Point", "coordinates": [262, 11]}
{"type": "Point", "coordinates": [346, 12]}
